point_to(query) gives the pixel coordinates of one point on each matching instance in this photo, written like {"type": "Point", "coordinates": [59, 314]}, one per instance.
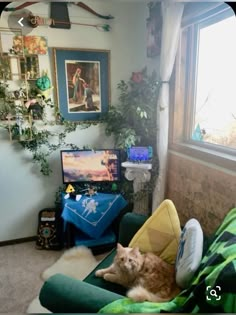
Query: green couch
{"type": "Point", "coordinates": [62, 294]}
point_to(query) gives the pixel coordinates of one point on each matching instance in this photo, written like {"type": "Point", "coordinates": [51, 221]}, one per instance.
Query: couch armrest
{"type": "Point", "coordinates": [129, 225]}
{"type": "Point", "coordinates": [63, 294]}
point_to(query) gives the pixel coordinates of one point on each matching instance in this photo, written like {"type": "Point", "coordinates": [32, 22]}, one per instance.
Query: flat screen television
{"type": "Point", "coordinates": [84, 166]}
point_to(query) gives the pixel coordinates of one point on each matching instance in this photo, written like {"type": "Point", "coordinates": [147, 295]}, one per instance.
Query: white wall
{"type": "Point", "coordinates": [24, 191]}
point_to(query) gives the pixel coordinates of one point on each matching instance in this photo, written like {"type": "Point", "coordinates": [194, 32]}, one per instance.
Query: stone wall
{"type": "Point", "coordinates": [201, 191]}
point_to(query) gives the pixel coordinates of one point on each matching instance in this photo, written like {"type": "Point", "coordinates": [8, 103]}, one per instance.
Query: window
{"type": "Point", "coordinates": [215, 77]}
{"type": "Point", "coordinates": [204, 117]}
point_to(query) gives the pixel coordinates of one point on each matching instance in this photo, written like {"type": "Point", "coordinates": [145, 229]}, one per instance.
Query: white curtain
{"type": "Point", "coordinates": [172, 14]}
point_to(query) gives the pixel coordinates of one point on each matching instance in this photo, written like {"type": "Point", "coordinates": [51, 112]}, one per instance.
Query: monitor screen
{"type": "Point", "coordinates": [90, 166]}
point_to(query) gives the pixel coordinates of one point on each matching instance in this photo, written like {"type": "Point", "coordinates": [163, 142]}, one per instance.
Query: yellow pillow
{"type": "Point", "coordinates": [160, 234]}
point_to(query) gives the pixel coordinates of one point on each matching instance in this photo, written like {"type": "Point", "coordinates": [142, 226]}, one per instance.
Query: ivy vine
{"type": "Point", "coordinates": [132, 122]}
{"type": "Point", "coordinates": [39, 141]}
{"type": "Point", "coordinates": [45, 142]}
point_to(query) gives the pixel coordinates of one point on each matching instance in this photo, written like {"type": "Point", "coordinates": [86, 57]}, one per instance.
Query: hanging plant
{"type": "Point", "coordinates": [46, 142]}
{"type": "Point", "coordinates": [40, 141]}
{"type": "Point", "coordinates": [6, 103]}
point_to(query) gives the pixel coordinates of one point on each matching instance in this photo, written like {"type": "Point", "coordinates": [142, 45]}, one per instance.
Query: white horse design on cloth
{"type": "Point", "coordinates": [90, 207]}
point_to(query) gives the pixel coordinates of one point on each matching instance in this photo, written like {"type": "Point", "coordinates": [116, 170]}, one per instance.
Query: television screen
{"type": "Point", "coordinates": [90, 166]}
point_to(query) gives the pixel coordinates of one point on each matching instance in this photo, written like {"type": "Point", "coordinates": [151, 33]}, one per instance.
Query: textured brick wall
{"type": "Point", "coordinates": [200, 191]}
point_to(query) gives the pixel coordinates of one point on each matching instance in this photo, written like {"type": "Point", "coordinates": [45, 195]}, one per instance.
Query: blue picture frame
{"type": "Point", "coordinates": [82, 83]}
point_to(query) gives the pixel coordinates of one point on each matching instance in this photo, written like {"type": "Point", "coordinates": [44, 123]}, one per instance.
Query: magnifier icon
{"type": "Point", "coordinates": [213, 293]}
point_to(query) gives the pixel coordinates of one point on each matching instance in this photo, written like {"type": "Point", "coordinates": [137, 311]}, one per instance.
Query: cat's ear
{"type": "Point", "coordinates": [135, 250]}
{"type": "Point", "coordinates": [119, 246]}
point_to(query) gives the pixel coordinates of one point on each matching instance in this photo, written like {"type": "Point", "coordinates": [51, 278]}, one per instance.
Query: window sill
{"type": "Point", "coordinates": [225, 160]}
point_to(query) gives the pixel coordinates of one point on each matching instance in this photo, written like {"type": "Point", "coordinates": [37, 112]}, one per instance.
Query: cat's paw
{"type": "Point", "coordinates": [137, 294]}
{"type": "Point", "coordinates": [107, 277]}
{"type": "Point", "coordinates": [99, 273]}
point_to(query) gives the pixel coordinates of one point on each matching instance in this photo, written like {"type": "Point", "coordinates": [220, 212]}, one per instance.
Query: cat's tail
{"type": "Point", "coordinates": [140, 294]}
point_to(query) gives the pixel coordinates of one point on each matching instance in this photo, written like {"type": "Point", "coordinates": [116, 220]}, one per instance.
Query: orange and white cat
{"type": "Point", "coordinates": [147, 276]}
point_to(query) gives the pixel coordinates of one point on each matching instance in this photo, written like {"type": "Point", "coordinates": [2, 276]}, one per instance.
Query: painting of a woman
{"type": "Point", "coordinates": [83, 86]}
{"type": "Point", "coordinates": [78, 83]}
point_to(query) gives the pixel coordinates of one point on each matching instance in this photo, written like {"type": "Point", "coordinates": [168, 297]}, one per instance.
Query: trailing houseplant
{"type": "Point", "coordinates": [6, 104]}
{"type": "Point", "coordinates": [44, 142]}
{"type": "Point", "coordinates": [39, 138]}
{"type": "Point", "coordinates": [132, 122]}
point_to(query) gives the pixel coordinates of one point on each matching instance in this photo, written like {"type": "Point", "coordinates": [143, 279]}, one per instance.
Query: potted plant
{"type": "Point", "coordinates": [133, 121]}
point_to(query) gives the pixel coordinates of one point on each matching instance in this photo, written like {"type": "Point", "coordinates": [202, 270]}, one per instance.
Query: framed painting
{"type": "Point", "coordinates": [11, 41]}
{"type": "Point", "coordinates": [82, 83]}
{"type": "Point", "coordinates": [35, 45]}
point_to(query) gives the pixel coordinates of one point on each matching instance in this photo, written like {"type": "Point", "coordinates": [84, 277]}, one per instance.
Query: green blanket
{"type": "Point", "coordinates": [217, 271]}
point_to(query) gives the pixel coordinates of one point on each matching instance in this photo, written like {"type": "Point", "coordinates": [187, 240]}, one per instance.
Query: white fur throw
{"type": "Point", "coordinates": [76, 262]}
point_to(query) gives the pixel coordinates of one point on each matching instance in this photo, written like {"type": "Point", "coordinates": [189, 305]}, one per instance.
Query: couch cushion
{"type": "Point", "coordinates": [100, 282]}
{"type": "Point", "coordinates": [160, 234]}
{"type": "Point", "coordinates": [189, 253]}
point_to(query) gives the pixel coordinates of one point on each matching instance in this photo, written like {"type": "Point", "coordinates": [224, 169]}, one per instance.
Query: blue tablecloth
{"type": "Point", "coordinates": [94, 214]}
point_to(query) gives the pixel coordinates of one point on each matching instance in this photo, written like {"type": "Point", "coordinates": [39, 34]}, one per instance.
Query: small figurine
{"type": "Point", "coordinates": [91, 191]}
{"type": "Point", "coordinates": [69, 190]}
{"type": "Point", "coordinates": [36, 106]}
{"type": "Point", "coordinates": [70, 193]}
{"type": "Point", "coordinates": [41, 100]}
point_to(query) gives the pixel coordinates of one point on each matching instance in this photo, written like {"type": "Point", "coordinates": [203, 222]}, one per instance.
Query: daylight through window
{"type": "Point", "coordinates": [214, 115]}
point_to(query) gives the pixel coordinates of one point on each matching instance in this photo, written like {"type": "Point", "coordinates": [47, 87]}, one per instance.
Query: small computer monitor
{"type": "Point", "coordinates": [86, 166]}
